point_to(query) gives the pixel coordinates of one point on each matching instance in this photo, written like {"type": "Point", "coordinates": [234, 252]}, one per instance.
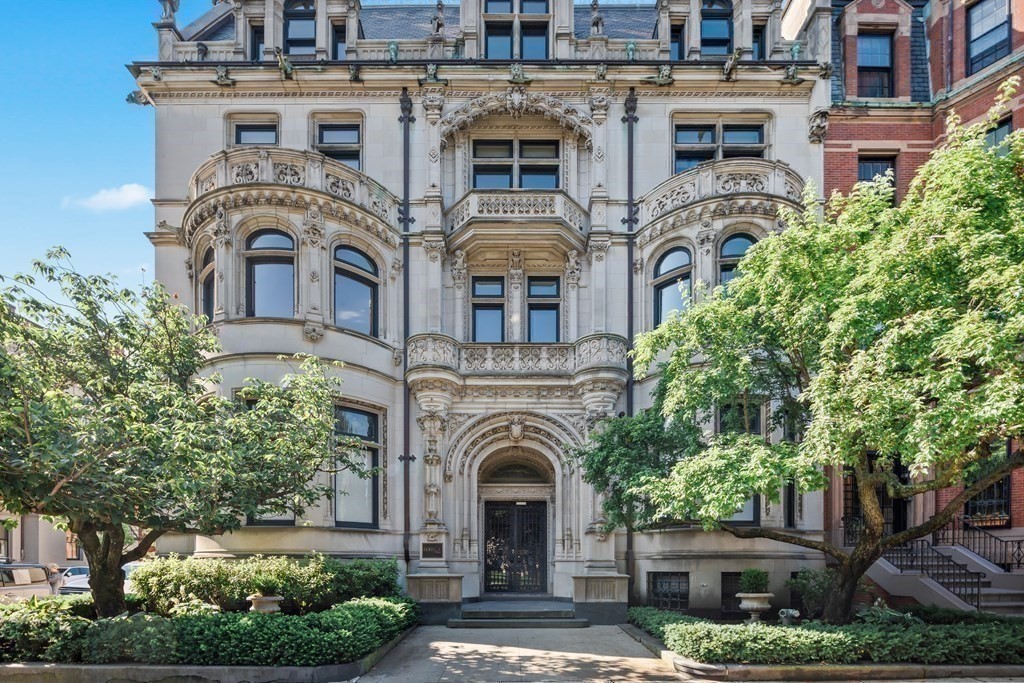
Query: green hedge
{"type": "Point", "coordinates": [654, 620]}
{"type": "Point", "coordinates": [47, 630]}
{"type": "Point", "coordinates": [309, 585]}
{"type": "Point", "coordinates": [989, 641]}
{"type": "Point", "coordinates": [944, 615]}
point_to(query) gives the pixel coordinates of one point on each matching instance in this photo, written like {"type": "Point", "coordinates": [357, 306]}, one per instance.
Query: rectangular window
{"type": "Point", "coordinates": [501, 165]}
{"type": "Point", "coordinates": [270, 292]}
{"type": "Point", "coordinates": [668, 590]}
{"type": "Point", "coordinates": [498, 7]}
{"type": "Point", "coordinates": [995, 137]}
{"type": "Point", "coordinates": [256, 43]}
{"type": "Point", "coordinates": [730, 603]}
{"type": "Point", "coordinates": [533, 6]}
{"type": "Point", "coordinates": [341, 142]}
{"type": "Point", "coordinates": [72, 548]}
{"type": "Point", "coordinates": [286, 519]}
{"type": "Point", "coordinates": [543, 309]}
{"type": "Point", "coordinates": [255, 134]}
{"type": "Point", "coordinates": [733, 418]}
{"type": "Point", "coordinates": [533, 41]}
{"type": "Point", "coordinates": [988, 33]}
{"type": "Point", "coordinates": [758, 51]}
{"type": "Point", "coordinates": [869, 167]}
{"type": "Point", "coordinates": [492, 177]}
{"type": "Point", "coordinates": [874, 65]}
{"type": "Point", "coordinates": [742, 141]}
{"type": "Point", "coordinates": [356, 499]}
{"type": "Point", "coordinates": [488, 309]}
{"type": "Point", "coordinates": [715, 36]}
{"type": "Point", "coordinates": [678, 42]}
{"type": "Point", "coordinates": [499, 41]}
{"type": "Point", "coordinates": [300, 32]}
{"type": "Point", "coordinates": [697, 143]}
{"type": "Point", "coordinates": [338, 42]}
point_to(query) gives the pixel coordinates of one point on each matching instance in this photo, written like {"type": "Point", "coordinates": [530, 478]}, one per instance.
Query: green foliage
{"type": "Point", "coordinates": [47, 631]}
{"type": "Point", "coordinates": [987, 643]}
{"type": "Point", "coordinates": [814, 587]}
{"type": "Point", "coordinates": [655, 620]}
{"type": "Point", "coordinates": [881, 614]}
{"type": "Point", "coordinates": [754, 581]}
{"type": "Point", "coordinates": [312, 584]}
{"type": "Point", "coordinates": [930, 614]}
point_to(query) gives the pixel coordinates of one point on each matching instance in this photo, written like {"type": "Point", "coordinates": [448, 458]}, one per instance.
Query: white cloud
{"type": "Point", "coordinates": [127, 196]}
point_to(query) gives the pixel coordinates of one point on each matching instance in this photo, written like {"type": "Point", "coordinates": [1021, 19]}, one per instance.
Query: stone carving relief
{"type": "Point", "coordinates": [817, 126]}
{"type": "Point", "coordinates": [573, 269]}
{"type": "Point", "coordinates": [459, 268]}
{"type": "Point", "coordinates": [434, 249]}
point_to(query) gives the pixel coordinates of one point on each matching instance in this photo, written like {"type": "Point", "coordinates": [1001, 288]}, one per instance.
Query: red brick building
{"type": "Point", "coordinates": [901, 67]}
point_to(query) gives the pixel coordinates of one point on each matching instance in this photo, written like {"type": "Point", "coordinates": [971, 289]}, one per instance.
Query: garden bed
{"type": "Point", "coordinates": [977, 646]}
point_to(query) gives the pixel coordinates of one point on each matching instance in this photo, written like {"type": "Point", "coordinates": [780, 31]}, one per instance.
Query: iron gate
{"type": "Point", "coordinates": [515, 551]}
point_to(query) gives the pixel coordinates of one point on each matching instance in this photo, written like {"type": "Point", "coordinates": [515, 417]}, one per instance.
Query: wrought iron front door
{"type": "Point", "coordinates": [515, 551]}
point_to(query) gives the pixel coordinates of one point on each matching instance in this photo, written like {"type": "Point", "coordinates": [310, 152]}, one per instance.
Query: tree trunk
{"type": "Point", "coordinates": [104, 551]}
{"type": "Point", "coordinates": [839, 605]}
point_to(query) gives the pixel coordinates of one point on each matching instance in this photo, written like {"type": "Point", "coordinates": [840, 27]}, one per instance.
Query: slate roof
{"type": "Point", "coordinates": [412, 22]}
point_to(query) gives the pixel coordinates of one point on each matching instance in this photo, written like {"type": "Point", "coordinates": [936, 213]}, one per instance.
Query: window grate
{"type": "Point", "coordinates": [669, 590]}
{"type": "Point", "coordinates": [730, 603]}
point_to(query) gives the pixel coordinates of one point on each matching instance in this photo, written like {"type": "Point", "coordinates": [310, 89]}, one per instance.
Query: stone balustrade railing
{"type": "Point", "coordinates": [407, 49]}
{"type": "Point", "coordinates": [212, 51]}
{"type": "Point", "coordinates": [592, 351]}
{"type": "Point", "coordinates": [293, 168]}
{"type": "Point", "coordinates": [513, 205]}
{"type": "Point", "coordinates": [616, 49]}
{"type": "Point", "coordinates": [721, 179]}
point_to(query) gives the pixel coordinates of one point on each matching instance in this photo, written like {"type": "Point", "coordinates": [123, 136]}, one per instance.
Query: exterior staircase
{"type": "Point", "coordinates": [518, 613]}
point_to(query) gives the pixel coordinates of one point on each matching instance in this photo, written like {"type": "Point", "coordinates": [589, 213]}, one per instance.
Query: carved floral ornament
{"type": "Point", "coordinates": [517, 101]}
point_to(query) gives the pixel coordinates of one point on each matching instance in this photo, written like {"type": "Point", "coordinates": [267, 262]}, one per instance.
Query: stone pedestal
{"type": "Point", "coordinates": [439, 595]}
{"type": "Point", "coordinates": [601, 598]}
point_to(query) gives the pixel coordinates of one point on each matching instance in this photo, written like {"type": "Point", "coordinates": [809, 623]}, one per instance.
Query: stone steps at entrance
{"type": "Point", "coordinates": [518, 613]}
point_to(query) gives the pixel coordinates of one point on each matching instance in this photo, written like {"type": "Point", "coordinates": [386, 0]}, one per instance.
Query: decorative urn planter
{"type": "Point", "coordinates": [265, 603]}
{"type": "Point", "coordinates": [755, 603]}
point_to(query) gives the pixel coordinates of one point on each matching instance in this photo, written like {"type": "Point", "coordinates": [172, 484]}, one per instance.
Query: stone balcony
{"type": "Point", "coordinates": [245, 169]}
{"type": "Point", "coordinates": [731, 179]}
{"type": "Point", "coordinates": [596, 351]}
{"type": "Point", "coordinates": [507, 212]}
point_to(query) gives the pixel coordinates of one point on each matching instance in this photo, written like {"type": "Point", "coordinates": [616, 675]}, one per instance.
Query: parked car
{"type": "Point", "coordinates": [77, 585]}
{"type": "Point", "coordinates": [72, 572]}
{"type": "Point", "coordinates": [23, 580]}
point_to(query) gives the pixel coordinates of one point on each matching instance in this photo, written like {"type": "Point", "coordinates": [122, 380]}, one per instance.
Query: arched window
{"type": "Point", "coordinates": [300, 27]}
{"type": "Point", "coordinates": [356, 282]}
{"type": "Point", "coordinates": [729, 255]}
{"type": "Point", "coordinates": [206, 274]}
{"type": "Point", "coordinates": [716, 28]}
{"type": "Point", "coordinates": [672, 283]}
{"type": "Point", "coordinates": [270, 275]}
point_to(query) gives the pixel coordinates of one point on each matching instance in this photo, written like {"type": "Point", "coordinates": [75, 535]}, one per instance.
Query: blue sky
{"type": "Point", "coordinates": [69, 143]}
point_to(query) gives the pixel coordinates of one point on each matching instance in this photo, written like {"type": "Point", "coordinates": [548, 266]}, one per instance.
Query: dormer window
{"type": "Point", "coordinates": [988, 33]}
{"type": "Point", "coordinates": [257, 42]}
{"type": "Point", "coordinates": [300, 27]}
{"type": "Point", "coordinates": [716, 28]}
{"type": "Point", "coordinates": [516, 29]}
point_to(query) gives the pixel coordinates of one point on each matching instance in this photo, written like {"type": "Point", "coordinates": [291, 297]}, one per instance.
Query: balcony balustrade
{"type": "Point", "coordinates": [513, 206]}
{"type": "Point", "coordinates": [590, 352]}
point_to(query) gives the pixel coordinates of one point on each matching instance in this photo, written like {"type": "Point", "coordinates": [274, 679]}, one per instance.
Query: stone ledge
{"type": "Point", "coordinates": [146, 673]}
{"type": "Point", "coordinates": [868, 671]}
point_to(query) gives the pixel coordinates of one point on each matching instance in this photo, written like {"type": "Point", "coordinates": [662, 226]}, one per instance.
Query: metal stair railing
{"type": "Point", "coordinates": [1005, 553]}
{"type": "Point", "coordinates": [919, 555]}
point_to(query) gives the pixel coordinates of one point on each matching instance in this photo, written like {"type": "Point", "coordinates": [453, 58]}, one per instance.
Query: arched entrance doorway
{"type": "Point", "coordinates": [517, 495]}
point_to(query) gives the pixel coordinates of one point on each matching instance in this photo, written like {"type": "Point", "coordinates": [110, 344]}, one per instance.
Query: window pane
{"type": "Point", "coordinates": [543, 324]}
{"type": "Point", "coordinates": [687, 160]}
{"type": "Point", "coordinates": [538, 149]}
{"type": "Point", "coordinates": [728, 153]}
{"type": "Point", "coordinates": [339, 38]}
{"type": "Point", "coordinates": [499, 42]}
{"type": "Point", "coordinates": [695, 135]}
{"type": "Point", "coordinates": [727, 274]}
{"type": "Point", "coordinates": [301, 29]}
{"type": "Point", "coordinates": [874, 49]}
{"type": "Point", "coordinates": [995, 137]}
{"type": "Point", "coordinates": [348, 157]}
{"type": "Point", "coordinates": [272, 290]}
{"type": "Point", "coordinates": [354, 497]}
{"type": "Point", "coordinates": [353, 422]}
{"type": "Point", "coordinates": [488, 286]}
{"type": "Point", "coordinates": [207, 297]}
{"type": "Point", "coordinates": [492, 177]}
{"type": "Point", "coordinates": [256, 44]}
{"type": "Point", "coordinates": [353, 303]}
{"type": "Point", "coordinates": [499, 6]}
{"type": "Point", "coordinates": [534, 7]}
{"type": "Point", "coordinates": [678, 43]}
{"type": "Point", "coordinates": [736, 246]}
{"type": "Point", "coordinates": [488, 324]}
{"type": "Point", "coordinates": [742, 135]}
{"type": "Point", "coordinates": [671, 297]}
{"type": "Point", "coordinates": [758, 46]}
{"type": "Point", "coordinates": [746, 513]}
{"type": "Point", "coordinates": [492, 149]}
{"type": "Point", "coordinates": [731, 418]}
{"type": "Point", "coordinates": [543, 286]}
{"type": "Point", "coordinates": [677, 258]}
{"type": "Point", "coordinates": [711, 29]}
{"type": "Point", "coordinates": [208, 257]}
{"type": "Point", "coordinates": [255, 135]}
{"type": "Point", "coordinates": [356, 258]}
{"type": "Point", "coordinates": [538, 177]}
{"type": "Point", "coordinates": [534, 42]}
{"type": "Point", "coordinates": [270, 239]}
{"type": "Point", "coordinates": [986, 15]}
{"type": "Point", "coordinates": [874, 83]}
{"type": "Point", "coordinates": [339, 135]}
{"type": "Point", "coordinates": [867, 169]}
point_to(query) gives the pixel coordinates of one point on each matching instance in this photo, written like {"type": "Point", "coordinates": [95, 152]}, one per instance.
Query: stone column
{"type": "Point", "coordinates": [273, 31]}
{"type": "Point", "coordinates": [311, 279]}
{"type": "Point", "coordinates": [598, 281]}
{"type": "Point", "coordinates": [459, 294]}
{"type": "Point", "coordinates": [664, 29]}
{"type": "Point", "coordinates": [225, 265]}
{"type": "Point", "coordinates": [433, 104]}
{"type": "Point", "coordinates": [743, 28]}
{"type": "Point", "coordinates": [352, 29]}
{"type": "Point", "coordinates": [708, 262]}
{"type": "Point", "coordinates": [433, 244]}
{"type": "Point", "coordinates": [599, 100]}
{"type": "Point", "coordinates": [774, 32]}
{"type": "Point", "coordinates": [570, 165]}
{"type": "Point", "coordinates": [693, 31]}
{"type": "Point", "coordinates": [432, 550]}
{"type": "Point", "coordinates": [462, 163]}
{"type": "Point", "coordinates": [572, 295]}
{"type": "Point", "coordinates": [515, 297]}
{"type": "Point", "coordinates": [323, 33]}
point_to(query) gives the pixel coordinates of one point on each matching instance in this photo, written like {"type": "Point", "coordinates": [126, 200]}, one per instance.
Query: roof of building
{"type": "Point", "coordinates": [413, 21]}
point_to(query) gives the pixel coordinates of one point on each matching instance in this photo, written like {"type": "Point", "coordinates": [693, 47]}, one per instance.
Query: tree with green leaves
{"type": "Point", "coordinates": [883, 341]}
{"type": "Point", "coordinates": [108, 423]}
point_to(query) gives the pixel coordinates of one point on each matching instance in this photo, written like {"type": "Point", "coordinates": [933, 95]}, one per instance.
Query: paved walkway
{"type": "Point", "coordinates": [600, 653]}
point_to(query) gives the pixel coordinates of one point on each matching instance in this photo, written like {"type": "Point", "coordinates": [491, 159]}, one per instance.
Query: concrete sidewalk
{"type": "Point", "coordinates": [600, 653]}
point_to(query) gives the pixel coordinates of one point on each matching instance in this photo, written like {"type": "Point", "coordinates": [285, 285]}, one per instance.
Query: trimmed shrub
{"type": "Point", "coordinates": [143, 638]}
{"type": "Point", "coordinates": [758, 644]}
{"type": "Point", "coordinates": [311, 585]}
{"type": "Point", "coordinates": [754, 581]}
{"type": "Point", "coordinates": [39, 630]}
{"type": "Point", "coordinates": [930, 614]}
{"type": "Point", "coordinates": [655, 620]}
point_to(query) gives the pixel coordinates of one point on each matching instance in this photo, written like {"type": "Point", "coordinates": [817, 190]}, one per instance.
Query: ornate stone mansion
{"type": "Point", "coordinates": [475, 208]}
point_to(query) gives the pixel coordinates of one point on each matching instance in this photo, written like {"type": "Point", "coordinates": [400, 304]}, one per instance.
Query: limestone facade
{"type": "Point", "coordinates": [504, 301]}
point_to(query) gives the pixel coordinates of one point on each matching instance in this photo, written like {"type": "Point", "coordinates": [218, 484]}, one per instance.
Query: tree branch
{"type": "Point", "coordinates": [782, 537]}
{"type": "Point", "coordinates": [143, 546]}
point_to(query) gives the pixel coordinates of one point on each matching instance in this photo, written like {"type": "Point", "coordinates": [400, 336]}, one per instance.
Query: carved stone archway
{"type": "Point", "coordinates": [517, 101]}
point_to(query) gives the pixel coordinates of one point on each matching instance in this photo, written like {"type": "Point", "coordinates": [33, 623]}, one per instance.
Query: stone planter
{"type": "Point", "coordinates": [755, 603]}
{"type": "Point", "coordinates": [265, 603]}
